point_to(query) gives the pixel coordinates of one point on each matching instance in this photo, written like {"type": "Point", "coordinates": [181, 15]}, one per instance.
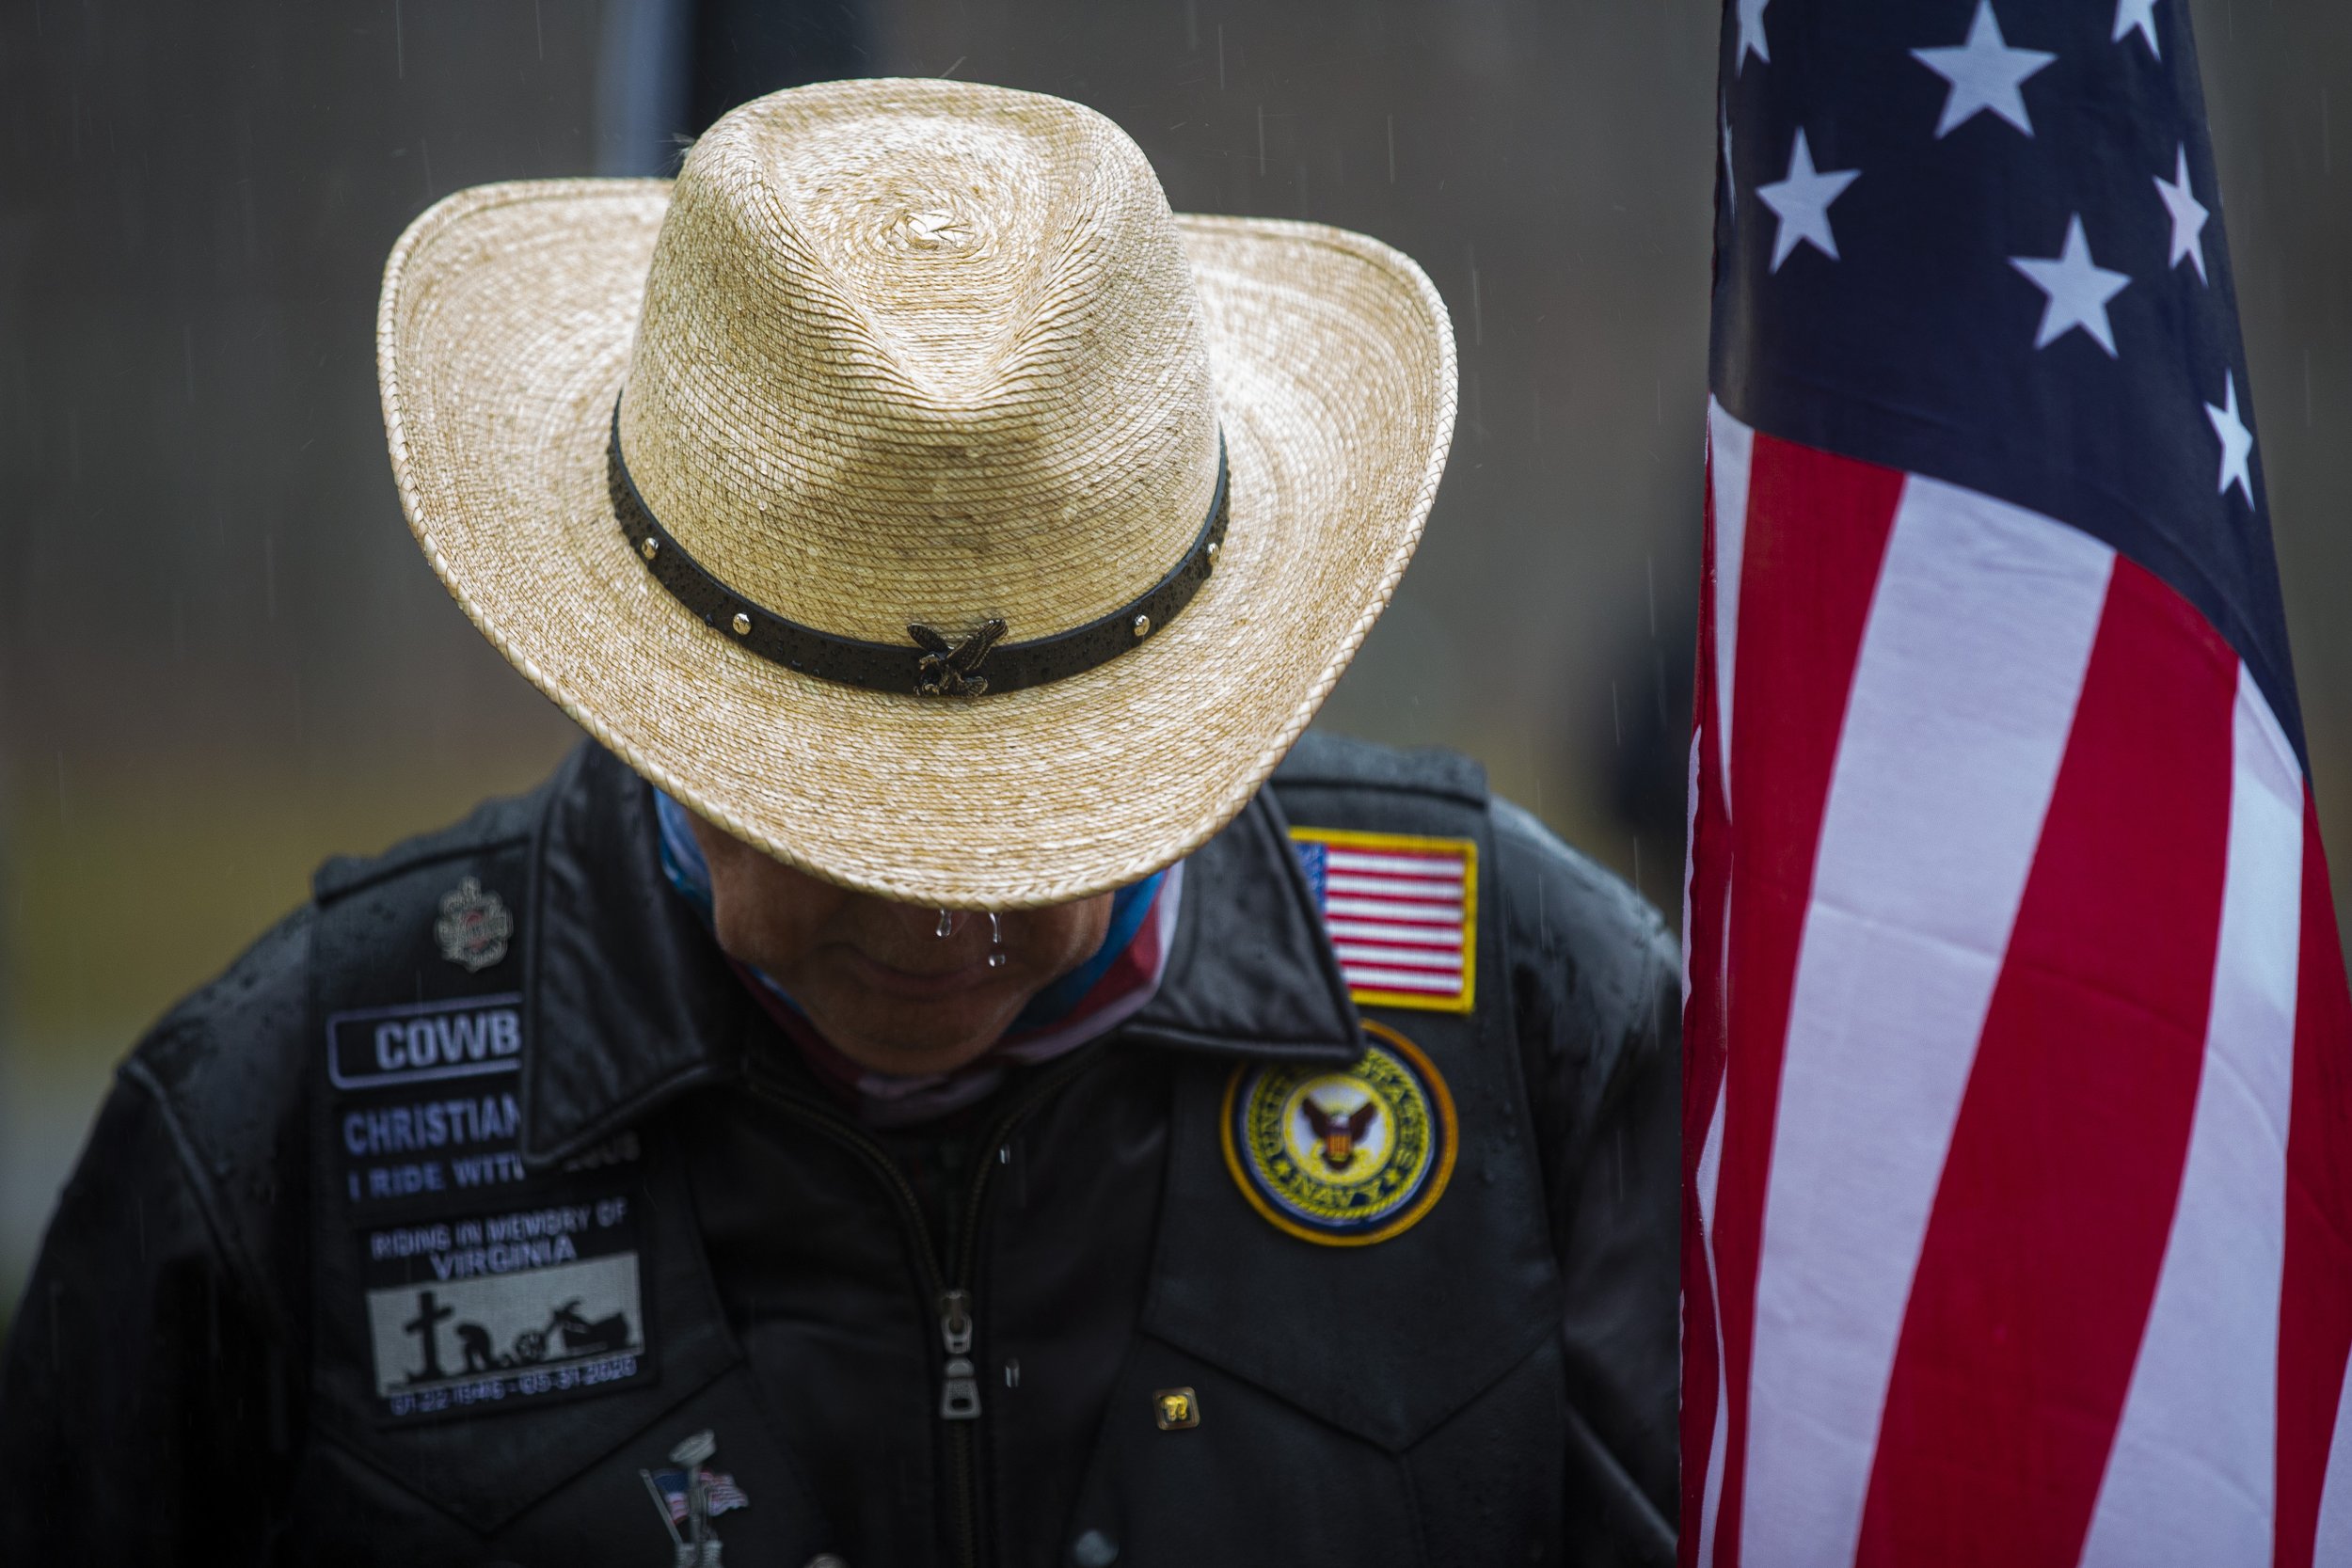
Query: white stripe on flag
{"type": "Point", "coordinates": [1385, 909]}
{"type": "Point", "coordinates": [1432, 889]}
{"type": "Point", "coordinates": [1380, 863]}
{"type": "Point", "coordinates": [1690, 849]}
{"type": "Point", "coordinates": [1443, 937]}
{"type": "Point", "coordinates": [1711, 1172]}
{"type": "Point", "coordinates": [2192, 1479]}
{"type": "Point", "coordinates": [1731, 446]}
{"type": "Point", "coordinates": [1372, 978]}
{"type": "Point", "coordinates": [1356, 953]}
{"type": "Point", "coordinates": [2333, 1540]}
{"type": "Point", "coordinates": [1963, 693]}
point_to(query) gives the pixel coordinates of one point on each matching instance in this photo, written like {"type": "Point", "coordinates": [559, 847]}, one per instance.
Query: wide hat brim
{"type": "Point", "coordinates": [502, 338]}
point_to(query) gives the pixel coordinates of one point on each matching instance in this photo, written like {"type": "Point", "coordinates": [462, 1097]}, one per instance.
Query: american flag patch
{"type": "Point", "coordinates": [1402, 913]}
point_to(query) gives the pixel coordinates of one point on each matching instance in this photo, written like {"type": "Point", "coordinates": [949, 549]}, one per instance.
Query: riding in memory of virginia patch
{"type": "Point", "coordinates": [507, 1307]}
{"type": "Point", "coordinates": [1342, 1158]}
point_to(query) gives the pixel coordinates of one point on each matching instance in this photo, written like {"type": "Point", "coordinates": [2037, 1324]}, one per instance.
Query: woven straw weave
{"type": "Point", "coordinates": [908, 351]}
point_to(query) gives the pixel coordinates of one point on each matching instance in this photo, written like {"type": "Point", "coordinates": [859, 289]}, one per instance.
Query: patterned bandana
{"type": "Point", "coordinates": [1084, 1005]}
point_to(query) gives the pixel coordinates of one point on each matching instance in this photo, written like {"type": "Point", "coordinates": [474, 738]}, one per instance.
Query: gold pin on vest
{"type": "Point", "coordinates": [1176, 1409]}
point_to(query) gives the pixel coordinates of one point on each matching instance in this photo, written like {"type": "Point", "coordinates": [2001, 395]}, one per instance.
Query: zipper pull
{"type": "Point", "coordinates": [960, 1394]}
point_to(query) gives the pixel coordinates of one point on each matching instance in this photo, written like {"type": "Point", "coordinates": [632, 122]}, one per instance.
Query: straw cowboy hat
{"type": "Point", "coordinates": [906, 489]}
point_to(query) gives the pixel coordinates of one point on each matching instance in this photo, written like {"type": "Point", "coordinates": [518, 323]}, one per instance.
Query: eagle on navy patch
{"type": "Point", "coordinates": [473, 927]}
{"type": "Point", "coordinates": [1342, 1158]}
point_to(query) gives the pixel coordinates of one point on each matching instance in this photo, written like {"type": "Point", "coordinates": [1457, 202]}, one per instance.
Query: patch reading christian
{"type": "Point", "coordinates": [504, 1309]}
{"type": "Point", "coordinates": [1342, 1158]}
{"type": "Point", "coordinates": [1402, 913]}
{"type": "Point", "coordinates": [399, 1147]}
{"type": "Point", "coordinates": [480, 1037]}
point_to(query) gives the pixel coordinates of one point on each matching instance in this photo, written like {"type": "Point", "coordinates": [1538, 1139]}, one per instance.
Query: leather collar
{"type": "Point", "coordinates": [628, 1003]}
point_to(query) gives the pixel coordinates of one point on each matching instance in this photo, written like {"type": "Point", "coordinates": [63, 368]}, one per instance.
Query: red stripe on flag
{"type": "Point", "coordinates": [2315, 1303]}
{"type": "Point", "coordinates": [1816, 535]}
{"type": "Point", "coordinates": [2042, 1255]}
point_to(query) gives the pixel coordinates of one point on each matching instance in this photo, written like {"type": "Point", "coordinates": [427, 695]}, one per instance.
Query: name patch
{"type": "Point", "coordinates": [428, 1042]}
{"type": "Point", "coordinates": [511, 1306]}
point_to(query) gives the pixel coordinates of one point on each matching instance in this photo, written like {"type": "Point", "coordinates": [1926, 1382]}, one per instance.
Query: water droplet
{"type": "Point", "coordinates": [996, 961]}
{"type": "Point", "coordinates": [946, 926]}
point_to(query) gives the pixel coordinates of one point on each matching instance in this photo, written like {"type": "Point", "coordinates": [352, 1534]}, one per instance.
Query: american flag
{"type": "Point", "coordinates": [673, 1485]}
{"type": "Point", "coordinates": [1401, 911]}
{"type": "Point", "coordinates": [2018, 1223]}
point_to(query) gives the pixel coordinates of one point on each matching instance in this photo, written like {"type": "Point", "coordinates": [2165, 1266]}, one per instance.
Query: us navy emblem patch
{"type": "Point", "coordinates": [1342, 1158]}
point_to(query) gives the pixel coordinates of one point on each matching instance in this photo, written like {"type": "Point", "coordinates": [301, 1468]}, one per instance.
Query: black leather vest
{"type": "Point", "coordinates": [522, 1342]}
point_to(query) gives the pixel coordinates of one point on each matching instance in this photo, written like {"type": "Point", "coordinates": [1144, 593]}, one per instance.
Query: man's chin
{"type": "Point", "coordinates": [913, 1042]}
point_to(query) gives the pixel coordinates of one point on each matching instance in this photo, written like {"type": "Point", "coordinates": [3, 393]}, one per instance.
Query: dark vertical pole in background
{"type": "Point", "coordinates": [668, 68]}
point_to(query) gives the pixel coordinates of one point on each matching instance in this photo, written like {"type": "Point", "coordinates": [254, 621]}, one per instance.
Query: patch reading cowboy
{"type": "Point", "coordinates": [473, 1313]}
{"type": "Point", "coordinates": [425, 1042]}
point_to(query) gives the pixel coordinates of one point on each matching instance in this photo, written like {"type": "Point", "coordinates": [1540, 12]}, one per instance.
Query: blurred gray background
{"type": "Point", "coordinates": [221, 658]}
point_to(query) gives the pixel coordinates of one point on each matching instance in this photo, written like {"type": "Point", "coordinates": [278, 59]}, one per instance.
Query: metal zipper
{"type": "Point", "coordinates": [958, 1383]}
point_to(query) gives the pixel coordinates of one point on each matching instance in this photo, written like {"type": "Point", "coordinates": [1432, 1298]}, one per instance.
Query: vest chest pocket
{"type": "Point", "coordinates": [482, 1348]}
{"type": "Point", "coordinates": [1353, 1281]}
{"type": "Point", "coordinates": [1254, 1480]}
{"type": "Point", "coordinates": [483, 1331]}
{"type": "Point", "coordinates": [1382, 1328]}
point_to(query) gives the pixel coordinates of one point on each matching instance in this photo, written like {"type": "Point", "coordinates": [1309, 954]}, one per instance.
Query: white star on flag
{"type": "Point", "coordinates": [2139, 14]}
{"type": "Point", "coordinates": [1752, 40]}
{"type": "Point", "coordinates": [1984, 73]}
{"type": "Point", "coordinates": [2237, 442]}
{"type": "Point", "coordinates": [1802, 203]}
{"type": "Point", "coordinates": [2079, 290]}
{"type": "Point", "coordinates": [2188, 218]}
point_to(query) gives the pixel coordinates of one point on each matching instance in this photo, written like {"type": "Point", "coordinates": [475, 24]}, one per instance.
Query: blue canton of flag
{"type": "Point", "coordinates": [1315, 861]}
{"type": "Point", "coordinates": [1983, 243]}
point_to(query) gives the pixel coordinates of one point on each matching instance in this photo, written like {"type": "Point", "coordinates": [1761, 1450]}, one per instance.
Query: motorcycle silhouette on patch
{"type": "Point", "coordinates": [581, 1335]}
{"type": "Point", "coordinates": [569, 1334]}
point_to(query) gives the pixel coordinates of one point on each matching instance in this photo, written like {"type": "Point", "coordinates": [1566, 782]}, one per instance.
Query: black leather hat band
{"type": "Point", "coordinates": [951, 661]}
